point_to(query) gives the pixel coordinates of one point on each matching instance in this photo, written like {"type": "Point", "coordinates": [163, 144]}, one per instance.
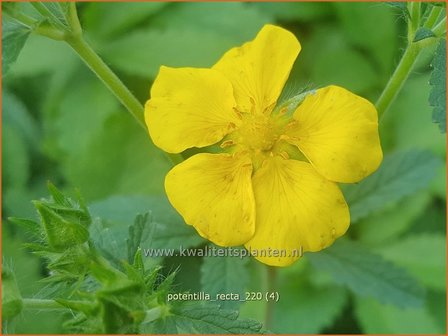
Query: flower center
{"type": "Point", "coordinates": [257, 133]}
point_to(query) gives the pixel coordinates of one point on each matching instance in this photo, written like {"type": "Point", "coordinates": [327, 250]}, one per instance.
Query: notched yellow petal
{"type": "Point", "coordinates": [190, 107]}
{"type": "Point", "coordinates": [213, 192]}
{"type": "Point", "coordinates": [338, 132]}
{"type": "Point", "coordinates": [297, 211]}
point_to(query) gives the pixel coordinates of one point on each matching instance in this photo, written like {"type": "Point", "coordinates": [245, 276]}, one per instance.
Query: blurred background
{"type": "Point", "coordinates": [60, 123]}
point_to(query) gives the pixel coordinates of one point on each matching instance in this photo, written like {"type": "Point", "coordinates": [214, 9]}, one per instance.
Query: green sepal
{"type": "Point", "coordinates": [60, 233]}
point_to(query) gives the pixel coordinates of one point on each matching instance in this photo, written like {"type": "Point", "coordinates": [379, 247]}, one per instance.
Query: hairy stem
{"type": "Point", "coordinates": [108, 77]}
{"type": "Point", "coordinates": [397, 79]}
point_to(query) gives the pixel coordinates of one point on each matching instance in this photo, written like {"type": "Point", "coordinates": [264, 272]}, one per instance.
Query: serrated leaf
{"type": "Point", "coordinates": [368, 274]}
{"type": "Point", "coordinates": [14, 36]}
{"type": "Point", "coordinates": [225, 275]}
{"type": "Point", "coordinates": [205, 320]}
{"type": "Point", "coordinates": [400, 174]}
{"type": "Point", "coordinates": [139, 233]}
{"type": "Point", "coordinates": [306, 309]}
{"type": "Point", "coordinates": [424, 256]}
{"type": "Point", "coordinates": [437, 96]}
{"type": "Point", "coordinates": [423, 33]}
{"type": "Point", "coordinates": [171, 232]}
{"type": "Point", "coordinates": [57, 12]}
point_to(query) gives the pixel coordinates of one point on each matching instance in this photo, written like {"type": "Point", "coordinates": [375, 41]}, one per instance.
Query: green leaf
{"type": "Point", "coordinates": [368, 274]}
{"type": "Point", "coordinates": [423, 33]}
{"type": "Point", "coordinates": [225, 275]}
{"type": "Point", "coordinates": [199, 319]}
{"type": "Point", "coordinates": [306, 309]}
{"type": "Point", "coordinates": [376, 318]}
{"type": "Point", "coordinates": [139, 233]}
{"type": "Point", "coordinates": [12, 303]}
{"type": "Point", "coordinates": [424, 256]}
{"type": "Point", "coordinates": [111, 19]}
{"type": "Point", "coordinates": [14, 36]}
{"type": "Point", "coordinates": [57, 13]}
{"type": "Point", "coordinates": [437, 96]}
{"type": "Point", "coordinates": [171, 232]}
{"type": "Point", "coordinates": [401, 174]}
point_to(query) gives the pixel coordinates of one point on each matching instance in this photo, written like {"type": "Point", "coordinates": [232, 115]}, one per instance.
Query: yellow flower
{"type": "Point", "coordinates": [274, 186]}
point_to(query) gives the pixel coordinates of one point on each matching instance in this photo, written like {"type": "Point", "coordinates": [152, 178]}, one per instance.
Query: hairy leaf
{"type": "Point", "coordinates": [201, 319]}
{"type": "Point", "coordinates": [401, 174]}
{"type": "Point", "coordinates": [368, 274]}
{"type": "Point", "coordinates": [225, 275]}
{"type": "Point", "coordinates": [139, 233]}
{"type": "Point", "coordinates": [14, 36]}
{"type": "Point", "coordinates": [170, 230]}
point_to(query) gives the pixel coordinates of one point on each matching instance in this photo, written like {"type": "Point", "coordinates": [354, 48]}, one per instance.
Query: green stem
{"type": "Point", "coordinates": [414, 21]}
{"type": "Point", "coordinates": [270, 306]}
{"type": "Point", "coordinates": [108, 77]}
{"type": "Point", "coordinates": [398, 78]}
{"type": "Point", "coordinates": [41, 304]}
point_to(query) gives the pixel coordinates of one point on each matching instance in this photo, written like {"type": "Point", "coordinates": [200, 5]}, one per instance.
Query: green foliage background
{"type": "Point", "coordinates": [60, 123]}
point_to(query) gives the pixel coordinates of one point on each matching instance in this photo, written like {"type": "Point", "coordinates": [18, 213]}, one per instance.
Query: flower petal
{"type": "Point", "coordinates": [213, 192]}
{"type": "Point", "coordinates": [259, 69]}
{"type": "Point", "coordinates": [190, 108]}
{"type": "Point", "coordinates": [338, 133]}
{"type": "Point", "coordinates": [297, 210]}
